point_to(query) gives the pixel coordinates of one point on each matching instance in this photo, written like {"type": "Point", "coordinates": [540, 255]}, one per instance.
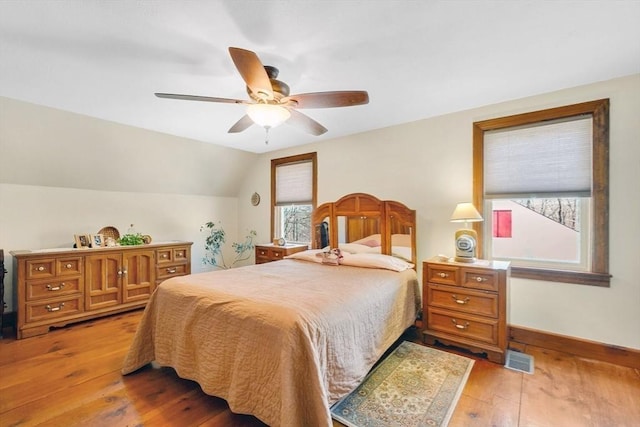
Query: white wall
{"type": "Point", "coordinates": [48, 217]}
{"type": "Point", "coordinates": [428, 166]}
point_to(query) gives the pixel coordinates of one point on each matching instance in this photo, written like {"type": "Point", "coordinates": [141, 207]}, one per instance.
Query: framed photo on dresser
{"type": "Point", "coordinates": [97, 240]}
{"type": "Point", "coordinates": [83, 241]}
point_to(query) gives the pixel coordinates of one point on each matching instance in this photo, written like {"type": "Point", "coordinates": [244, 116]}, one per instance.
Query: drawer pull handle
{"type": "Point", "coordinates": [459, 326]}
{"type": "Point", "coordinates": [119, 272]}
{"type": "Point", "coordinates": [171, 270]}
{"type": "Point", "coordinates": [179, 254]}
{"type": "Point", "coordinates": [480, 279]}
{"type": "Point", "coordinates": [41, 268]}
{"type": "Point", "coordinates": [55, 288]}
{"type": "Point", "coordinates": [443, 275]}
{"type": "Point", "coordinates": [52, 309]}
{"type": "Point", "coordinates": [164, 255]}
{"type": "Point", "coordinates": [460, 301]}
{"type": "Point", "coordinates": [68, 266]}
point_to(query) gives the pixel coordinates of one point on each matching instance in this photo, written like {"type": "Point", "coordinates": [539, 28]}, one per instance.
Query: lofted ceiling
{"type": "Point", "coordinates": [417, 59]}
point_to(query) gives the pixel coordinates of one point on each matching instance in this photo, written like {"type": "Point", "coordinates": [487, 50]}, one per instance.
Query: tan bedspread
{"type": "Point", "coordinates": [281, 341]}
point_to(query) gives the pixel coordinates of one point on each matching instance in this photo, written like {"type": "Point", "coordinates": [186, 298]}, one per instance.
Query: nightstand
{"type": "Point", "coordinates": [465, 305]}
{"type": "Point", "coordinates": [269, 252]}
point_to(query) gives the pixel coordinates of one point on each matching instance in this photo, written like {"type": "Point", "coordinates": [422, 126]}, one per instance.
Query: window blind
{"type": "Point", "coordinates": [549, 159]}
{"type": "Point", "coordinates": [294, 183]}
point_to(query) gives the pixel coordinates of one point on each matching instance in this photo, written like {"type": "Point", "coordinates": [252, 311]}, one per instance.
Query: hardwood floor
{"type": "Point", "coordinates": [71, 377]}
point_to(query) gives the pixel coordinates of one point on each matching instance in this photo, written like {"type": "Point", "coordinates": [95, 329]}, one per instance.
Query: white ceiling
{"type": "Point", "coordinates": [417, 59]}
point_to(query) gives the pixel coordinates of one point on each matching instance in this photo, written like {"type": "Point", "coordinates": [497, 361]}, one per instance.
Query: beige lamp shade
{"type": "Point", "coordinates": [465, 212]}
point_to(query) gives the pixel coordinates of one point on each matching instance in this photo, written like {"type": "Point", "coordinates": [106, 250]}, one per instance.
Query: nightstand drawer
{"type": "Point", "coordinates": [468, 301]}
{"type": "Point", "coordinates": [442, 274]}
{"type": "Point", "coordinates": [463, 325]}
{"type": "Point", "coordinates": [479, 279]}
{"type": "Point", "coordinates": [268, 252]}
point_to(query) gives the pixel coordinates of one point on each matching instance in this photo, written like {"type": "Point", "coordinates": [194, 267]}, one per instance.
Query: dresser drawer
{"type": "Point", "coordinates": [463, 325]}
{"type": "Point", "coordinates": [172, 255]}
{"type": "Point", "coordinates": [52, 288]}
{"type": "Point", "coordinates": [41, 268]}
{"type": "Point", "coordinates": [166, 272]}
{"type": "Point", "coordinates": [479, 279]}
{"type": "Point", "coordinates": [71, 266]}
{"type": "Point", "coordinates": [52, 309]}
{"type": "Point", "coordinates": [464, 300]}
{"type": "Point", "coordinates": [442, 274]}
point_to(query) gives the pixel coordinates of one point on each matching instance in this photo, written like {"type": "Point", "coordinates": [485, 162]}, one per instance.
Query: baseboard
{"type": "Point", "coordinates": [579, 347]}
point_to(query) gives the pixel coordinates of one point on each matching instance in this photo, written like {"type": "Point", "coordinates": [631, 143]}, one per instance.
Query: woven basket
{"type": "Point", "coordinates": [110, 232]}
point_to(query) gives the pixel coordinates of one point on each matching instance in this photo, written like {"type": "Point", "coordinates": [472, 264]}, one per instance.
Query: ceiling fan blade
{"type": "Point", "coordinates": [305, 123]}
{"type": "Point", "coordinates": [252, 72]}
{"type": "Point", "coordinates": [199, 98]}
{"type": "Point", "coordinates": [345, 98]}
{"type": "Point", "coordinates": [242, 124]}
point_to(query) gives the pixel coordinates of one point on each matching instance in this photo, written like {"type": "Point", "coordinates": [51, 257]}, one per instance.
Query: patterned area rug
{"type": "Point", "coordinates": [413, 386]}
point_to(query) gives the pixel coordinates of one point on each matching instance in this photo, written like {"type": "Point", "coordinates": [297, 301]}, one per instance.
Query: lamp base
{"type": "Point", "coordinates": [466, 241]}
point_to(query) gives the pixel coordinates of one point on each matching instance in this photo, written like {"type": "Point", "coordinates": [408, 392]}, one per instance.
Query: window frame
{"type": "Point", "coordinates": [599, 111]}
{"type": "Point", "coordinates": [298, 158]}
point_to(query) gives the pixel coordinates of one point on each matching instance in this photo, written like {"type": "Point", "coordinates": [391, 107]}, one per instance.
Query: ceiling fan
{"type": "Point", "coordinates": [270, 103]}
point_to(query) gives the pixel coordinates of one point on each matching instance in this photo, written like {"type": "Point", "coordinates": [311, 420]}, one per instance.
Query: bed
{"type": "Point", "coordinates": [284, 340]}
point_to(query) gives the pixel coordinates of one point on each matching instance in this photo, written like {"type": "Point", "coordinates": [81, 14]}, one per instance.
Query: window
{"type": "Point", "coordinates": [543, 179]}
{"type": "Point", "coordinates": [293, 197]}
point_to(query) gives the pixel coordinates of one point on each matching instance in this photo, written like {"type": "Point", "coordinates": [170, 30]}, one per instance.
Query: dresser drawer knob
{"type": "Point", "coordinates": [460, 326]}
{"type": "Point", "coordinates": [164, 256]}
{"type": "Point", "coordinates": [68, 266]}
{"type": "Point", "coordinates": [460, 301]}
{"type": "Point", "coordinates": [51, 309]}
{"type": "Point", "coordinates": [55, 288]}
{"type": "Point", "coordinates": [171, 270]}
{"type": "Point", "coordinates": [41, 268]}
{"type": "Point", "coordinates": [443, 275]}
{"type": "Point", "coordinates": [481, 279]}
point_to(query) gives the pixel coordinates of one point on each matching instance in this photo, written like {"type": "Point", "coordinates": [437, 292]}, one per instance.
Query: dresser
{"type": "Point", "coordinates": [57, 287]}
{"type": "Point", "coordinates": [465, 305]}
{"type": "Point", "coordinates": [269, 252]}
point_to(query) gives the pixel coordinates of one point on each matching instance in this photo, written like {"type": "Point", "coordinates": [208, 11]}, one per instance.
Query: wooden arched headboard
{"type": "Point", "coordinates": [363, 218]}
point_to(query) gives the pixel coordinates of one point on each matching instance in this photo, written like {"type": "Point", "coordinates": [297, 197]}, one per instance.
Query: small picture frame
{"type": "Point", "coordinates": [97, 240]}
{"type": "Point", "coordinates": [83, 241]}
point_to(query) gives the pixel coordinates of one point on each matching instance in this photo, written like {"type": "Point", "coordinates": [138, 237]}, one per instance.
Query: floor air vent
{"type": "Point", "coordinates": [519, 362]}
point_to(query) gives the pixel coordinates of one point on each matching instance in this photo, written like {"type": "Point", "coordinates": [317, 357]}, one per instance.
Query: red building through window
{"type": "Point", "coordinates": [502, 223]}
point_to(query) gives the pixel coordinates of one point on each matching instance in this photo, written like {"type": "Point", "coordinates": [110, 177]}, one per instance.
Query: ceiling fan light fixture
{"type": "Point", "coordinates": [268, 115]}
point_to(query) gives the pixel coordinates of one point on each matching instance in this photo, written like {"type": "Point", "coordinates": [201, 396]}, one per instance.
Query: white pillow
{"type": "Point", "coordinates": [401, 252]}
{"type": "Point", "coordinates": [387, 262]}
{"type": "Point", "coordinates": [308, 255]}
{"type": "Point", "coordinates": [356, 248]}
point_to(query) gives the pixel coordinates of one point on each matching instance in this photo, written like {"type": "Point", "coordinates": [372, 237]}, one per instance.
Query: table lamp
{"type": "Point", "coordinates": [466, 238]}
